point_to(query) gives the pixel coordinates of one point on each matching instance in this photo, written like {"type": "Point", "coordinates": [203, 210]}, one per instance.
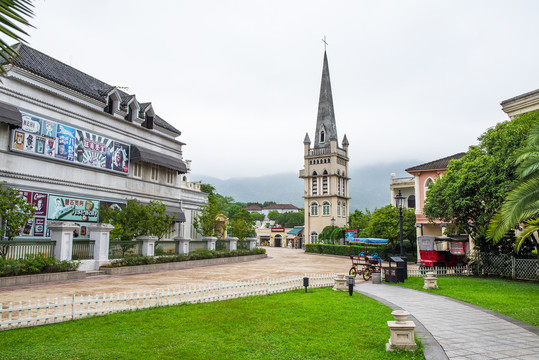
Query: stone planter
{"type": "Point", "coordinates": [41, 278]}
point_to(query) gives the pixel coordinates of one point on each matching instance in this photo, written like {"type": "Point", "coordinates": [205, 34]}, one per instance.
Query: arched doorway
{"type": "Point", "coordinates": [277, 240]}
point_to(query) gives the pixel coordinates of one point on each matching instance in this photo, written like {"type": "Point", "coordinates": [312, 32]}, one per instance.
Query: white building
{"type": "Point", "coordinates": [72, 144]}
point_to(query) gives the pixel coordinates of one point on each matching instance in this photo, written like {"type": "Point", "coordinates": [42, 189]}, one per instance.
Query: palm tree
{"type": "Point", "coordinates": [12, 16]}
{"type": "Point", "coordinates": [521, 206]}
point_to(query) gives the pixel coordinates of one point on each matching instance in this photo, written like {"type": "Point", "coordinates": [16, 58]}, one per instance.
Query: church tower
{"type": "Point", "coordinates": [325, 169]}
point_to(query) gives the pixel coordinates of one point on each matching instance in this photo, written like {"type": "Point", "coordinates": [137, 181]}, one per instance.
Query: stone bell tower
{"type": "Point", "coordinates": [325, 169]}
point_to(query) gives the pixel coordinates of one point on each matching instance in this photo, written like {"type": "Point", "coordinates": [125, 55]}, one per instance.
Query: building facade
{"type": "Point", "coordinates": [325, 169]}
{"type": "Point", "coordinates": [73, 144]}
{"type": "Point", "coordinates": [406, 187]}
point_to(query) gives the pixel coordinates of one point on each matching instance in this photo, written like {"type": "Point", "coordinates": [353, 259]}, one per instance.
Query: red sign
{"type": "Point", "coordinates": [277, 229]}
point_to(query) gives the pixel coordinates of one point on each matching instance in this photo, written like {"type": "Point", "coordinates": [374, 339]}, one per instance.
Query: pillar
{"type": "Point", "coordinates": [100, 234]}
{"type": "Point", "coordinates": [252, 243]}
{"type": "Point", "coordinates": [62, 233]}
{"type": "Point", "coordinates": [148, 245]}
{"type": "Point", "coordinates": [183, 245]}
{"type": "Point", "coordinates": [232, 243]}
{"type": "Point", "coordinates": [210, 242]}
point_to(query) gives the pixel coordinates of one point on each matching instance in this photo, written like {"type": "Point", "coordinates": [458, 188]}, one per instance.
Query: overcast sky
{"type": "Point", "coordinates": [414, 80]}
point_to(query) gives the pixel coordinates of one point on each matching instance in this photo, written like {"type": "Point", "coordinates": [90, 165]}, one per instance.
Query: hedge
{"type": "Point", "coordinates": [35, 264]}
{"type": "Point", "coordinates": [383, 251]}
{"type": "Point", "coordinates": [134, 260]}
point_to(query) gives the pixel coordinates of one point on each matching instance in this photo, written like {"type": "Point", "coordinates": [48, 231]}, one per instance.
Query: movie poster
{"type": "Point", "coordinates": [30, 142]}
{"type": "Point", "coordinates": [50, 147]}
{"type": "Point", "coordinates": [94, 150]}
{"type": "Point", "coordinates": [39, 202]}
{"type": "Point", "coordinates": [72, 209]}
{"type": "Point", "coordinates": [18, 140]}
{"type": "Point", "coordinates": [120, 158]}
{"type": "Point", "coordinates": [66, 142]}
{"type": "Point", "coordinates": [39, 226]}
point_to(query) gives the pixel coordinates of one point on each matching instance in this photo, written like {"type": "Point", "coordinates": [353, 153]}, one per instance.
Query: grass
{"type": "Point", "coordinates": [322, 324]}
{"type": "Point", "coordinates": [517, 299]}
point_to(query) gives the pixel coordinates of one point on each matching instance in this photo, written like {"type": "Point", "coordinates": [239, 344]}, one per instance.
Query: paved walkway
{"type": "Point", "coordinates": [461, 330]}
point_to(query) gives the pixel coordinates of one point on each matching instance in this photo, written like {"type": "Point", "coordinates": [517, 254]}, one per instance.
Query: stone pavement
{"type": "Point", "coordinates": [461, 330]}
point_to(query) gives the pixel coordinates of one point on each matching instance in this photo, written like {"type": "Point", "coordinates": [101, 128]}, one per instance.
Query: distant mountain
{"type": "Point", "coordinates": [369, 186]}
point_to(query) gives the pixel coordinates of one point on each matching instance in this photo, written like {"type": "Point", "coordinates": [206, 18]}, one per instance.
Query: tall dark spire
{"type": "Point", "coordinates": [326, 130]}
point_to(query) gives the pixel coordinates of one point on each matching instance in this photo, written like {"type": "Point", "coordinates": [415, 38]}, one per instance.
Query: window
{"type": "Point", "coordinates": [411, 202]}
{"type": "Point", "coordinates": [326, 208]}
{"type": "Point", "coordinates": [314, 184]}
{"type": "Point", "coordinates": [325, 184]}
{"type": "Point", "coordinates": [322, 136]}
{"type": "Point", "coordinates": [314, 237]}
{"type": "Point", "coordinates": [171, 231]}
{"type": "Point", "coordinates": [137, 170]}
{"type": "Point", "coordinates": [339, 182]}
{"type": "Point", "coordinates": [171, 176]}
{"type": "Point", "coordinates": [155, 173]}
{"type": "Point", "coordinates": [344, 209]}
{"type": "Point", "coordinates": [314, 209]}
{"type": "Point", "coordinates": [339, 208]}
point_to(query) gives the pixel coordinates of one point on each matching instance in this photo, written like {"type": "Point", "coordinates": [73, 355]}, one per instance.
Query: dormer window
{"type": "Point", "coordinates": [132, 111]}
{"type": "Point", "coordinates": [113, 102]}
{"type": "Point", "coordinates": [149, 118]}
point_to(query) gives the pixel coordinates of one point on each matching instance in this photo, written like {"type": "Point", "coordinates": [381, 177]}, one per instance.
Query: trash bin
{"type": "Point", "coordinates": [404, 265]}
{"type": "Point", "coordinates": [395, 272]}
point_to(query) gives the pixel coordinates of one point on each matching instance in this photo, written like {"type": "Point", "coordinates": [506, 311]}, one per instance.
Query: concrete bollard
{"type": "Point", "coordinates": [430, 281]}
{"type": "Point", "coordinates": [340, 283]}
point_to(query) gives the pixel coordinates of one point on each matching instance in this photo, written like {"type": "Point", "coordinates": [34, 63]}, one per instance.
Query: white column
{"type": "Point", "coordinates": [252, 243]}
{"type": "Point", "coordinates": [210, 242]}
{"type": "Point", "coordinates": [148, 245]}
{"type": "Point", "coordinates": [62, 233]}
{"type": "Point", "coordinates": [232, 243]}
{"type": "Point", "coordinates": [100, 234]}
{"type": "Point", "coordinates": [183, 245]}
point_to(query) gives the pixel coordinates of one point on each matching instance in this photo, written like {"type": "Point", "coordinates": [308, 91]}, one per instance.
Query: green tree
{"type": "Point", "coordinates": [274, 215]}
{"type": "Point", "coordinates": [268, 203]}
{"type": "Point", "coordinates": [385, 224]}
{"type": "Point", "coordinates": [204, 223]}
{"type": "Point", "coordinates": [258, 216]}
{"type": "Point", "coordinates": [241, 225]}
{"type": "Point", "coordinates": [521, 204]}
{"type": "Point", "coordinates": [472, 189]}
{"type": "Point", "coordinates": [15, 212]}
{"type": "Point", "coordinates": [360, 220]}
{"type": "Point", "coordinates": [127, 220]}
{"type": "Point", "coordinates": [13, 14]}
{"type": "Point", "coordinates": [157, 220]}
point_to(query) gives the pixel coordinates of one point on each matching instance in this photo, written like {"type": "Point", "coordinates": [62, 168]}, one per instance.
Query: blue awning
{"type": "Point", "coordinates": [369, 240]}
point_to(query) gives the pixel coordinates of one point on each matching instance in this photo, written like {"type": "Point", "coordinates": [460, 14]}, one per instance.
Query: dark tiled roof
{"type": "Point", "coordinates": [49, 68]}
{"type": "Point", "coordinates": [436, 164]}
{"type": "Point", "coordinates": [281, 207]}
{"type": "Point", "coordinates": [253, 207]}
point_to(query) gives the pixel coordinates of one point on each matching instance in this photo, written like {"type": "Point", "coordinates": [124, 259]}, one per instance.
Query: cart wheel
{"type": "Point", "coordinates": [352, 271]}
{"type": "Point", "coordinates": [367, 274]}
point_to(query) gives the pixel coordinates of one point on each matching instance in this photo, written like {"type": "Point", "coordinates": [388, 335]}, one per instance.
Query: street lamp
{"type": "Point", "coordinates": [399, 203]}
{"type": "Point", "coordinates": [332, 228]}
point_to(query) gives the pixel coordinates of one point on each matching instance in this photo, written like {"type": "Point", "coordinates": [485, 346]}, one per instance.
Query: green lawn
{"type": "Point", "coordinates": [517, 299]}
{"type": "Point", "coordinates": [322, 324]}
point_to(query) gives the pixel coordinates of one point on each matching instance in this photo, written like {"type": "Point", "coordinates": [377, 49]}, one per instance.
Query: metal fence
{"type": "Point", "coordinates": [508, 266]}
{"type": "Point", "coordinates": [21, 249]}
{"type": "Point", "coordinates": [76, 307]}
{"type": "Point", "coordinates": [83, 249]}
{"type": "Point", "coordinates": [119, 249]}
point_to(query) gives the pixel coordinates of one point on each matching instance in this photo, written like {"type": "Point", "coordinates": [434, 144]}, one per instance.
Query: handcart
{"type": "Point", "coordinates": [363, 263]}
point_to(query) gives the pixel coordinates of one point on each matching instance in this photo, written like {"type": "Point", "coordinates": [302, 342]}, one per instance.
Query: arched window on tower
{"type": "Point", "coordinates": [326, 208]}
{"type": "Point", "coordinates": [339, 208]}
{"type": "Point", "coordinates": [322, 136]}
{"type": "Point", "coordinates": [314, 208]}
{"type": "Point", "coordinates": [344, 209]}
{"type": "Point", "coordinates": [314, 184]}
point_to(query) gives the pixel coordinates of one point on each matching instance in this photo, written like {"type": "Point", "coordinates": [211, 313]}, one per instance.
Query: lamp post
{"type": "Point", "coordinates": [399, 203]}
{"type": "Point", "coordinates": [332, 228]}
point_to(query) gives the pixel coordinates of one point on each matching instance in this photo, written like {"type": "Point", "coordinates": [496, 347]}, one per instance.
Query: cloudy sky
{"type": "Point", "coordinates": [411, 79]}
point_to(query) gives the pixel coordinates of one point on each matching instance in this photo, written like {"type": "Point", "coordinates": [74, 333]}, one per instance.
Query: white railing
{"type": "Point", "coordinates": [441, 271]}
{"type": "Point", "coordinates": [47, 312]}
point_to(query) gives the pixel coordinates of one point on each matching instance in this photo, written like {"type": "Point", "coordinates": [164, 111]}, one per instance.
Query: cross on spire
{"type": "Point", "coordinates": [325, 43]}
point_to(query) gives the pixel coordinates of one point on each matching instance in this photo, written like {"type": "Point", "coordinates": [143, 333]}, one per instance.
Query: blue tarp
{"type": "Point", "coordinates": [369, 240]}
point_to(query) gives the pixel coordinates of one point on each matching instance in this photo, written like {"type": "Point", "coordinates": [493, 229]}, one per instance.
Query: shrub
{"type": "Point", "coordinates": [133, 260]}
{"type": "Point", "coordinates": [35, 264]}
